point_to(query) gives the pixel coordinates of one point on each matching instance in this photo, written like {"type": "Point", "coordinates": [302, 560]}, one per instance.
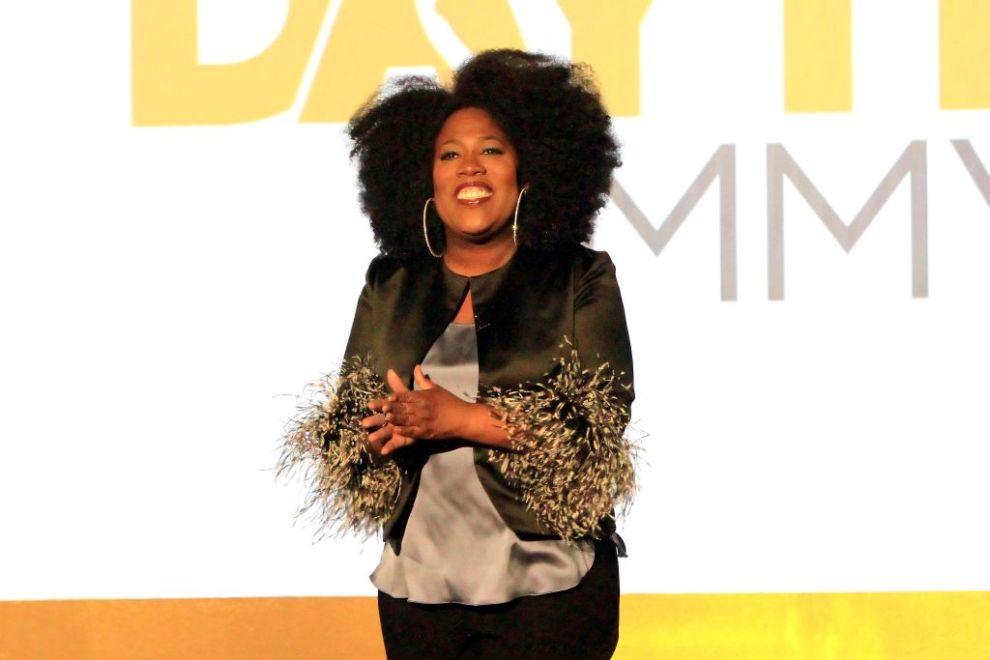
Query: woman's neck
{"type": "Point", "coordinates": [470, 259]}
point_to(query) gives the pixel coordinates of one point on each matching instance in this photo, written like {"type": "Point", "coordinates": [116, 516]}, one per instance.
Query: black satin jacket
{"type": "Point", "coordinates": [524, 312]}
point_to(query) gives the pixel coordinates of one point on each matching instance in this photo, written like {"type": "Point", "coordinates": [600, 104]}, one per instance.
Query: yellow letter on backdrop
{"type": "Point", "coordinates": [171, 87]}
{"type": "Point", "coordinates": [366, 39]}
{"type": "Point", "coordinates": [482, 24]}
{"type": "Point", "coordinates": [817, 55]}
{"type": "Point", "coordinates": [964, 53]}
{"type": "Point", "coordinates": [369, 37]}
{"type": "Point", "coordinates": [606, 36]}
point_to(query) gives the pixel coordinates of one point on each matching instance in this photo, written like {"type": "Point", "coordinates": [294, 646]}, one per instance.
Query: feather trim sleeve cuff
{"type": "Point", "coordinates": [348, 490]}
{"type": "Point", "coordinates": [572, 461]}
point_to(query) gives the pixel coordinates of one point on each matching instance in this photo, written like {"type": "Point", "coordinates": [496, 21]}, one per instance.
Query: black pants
{"type": "Point", "coordinates": [579, 623]}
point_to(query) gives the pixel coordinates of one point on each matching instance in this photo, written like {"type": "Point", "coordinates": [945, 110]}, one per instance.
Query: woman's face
{"type": "Point", "coordinates": [474, 177]}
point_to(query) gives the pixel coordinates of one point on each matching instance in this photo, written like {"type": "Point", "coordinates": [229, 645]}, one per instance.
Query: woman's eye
{"type": "Point", "coordinates": [492, 151]}
{"type": "Point", "coordinates": [448, 155]}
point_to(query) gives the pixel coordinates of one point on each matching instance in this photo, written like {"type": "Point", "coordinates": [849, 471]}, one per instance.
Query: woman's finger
{"type": "Point", "coordinates": [396, 442]}
{"type": "Point", "coordinates": [373, 421]}
{"type": "Point", "coordinates": [421, 379]}
{"type": "Point", "coordinates": [395, 382]}
{"type": "Point", "coordinates": [378, 438]}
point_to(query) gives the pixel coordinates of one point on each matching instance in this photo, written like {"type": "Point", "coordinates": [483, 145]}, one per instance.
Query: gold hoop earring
{"type": "Point", "coordinates": [426, 233]}
{"type": "Point", "coordinates": [515, 216]}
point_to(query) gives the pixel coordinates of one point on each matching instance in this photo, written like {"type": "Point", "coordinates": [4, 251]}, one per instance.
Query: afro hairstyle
{"type": "Point", "coordinates": [551, 112]}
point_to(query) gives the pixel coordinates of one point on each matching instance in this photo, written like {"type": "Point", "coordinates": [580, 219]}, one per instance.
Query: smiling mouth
{"type": "Point", "coordinates": [473, 193]}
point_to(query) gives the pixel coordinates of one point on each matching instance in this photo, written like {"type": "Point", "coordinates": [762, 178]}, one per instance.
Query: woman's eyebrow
{"type": "Point", "coordinates": [483, 137]}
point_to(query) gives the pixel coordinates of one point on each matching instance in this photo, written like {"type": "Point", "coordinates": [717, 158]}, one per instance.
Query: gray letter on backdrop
{"type": "Point", "coordinates": [974, 166]}
{"type": "Point", "coordinates": [780, 164]}
{"type": "Point", "coordinates": [722, 165]}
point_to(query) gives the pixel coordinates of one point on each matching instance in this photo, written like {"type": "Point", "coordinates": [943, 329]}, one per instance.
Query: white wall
{"type": "Point", "coordinates": [166, 291]}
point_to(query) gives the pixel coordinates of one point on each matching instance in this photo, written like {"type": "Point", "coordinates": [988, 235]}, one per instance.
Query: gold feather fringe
{"type": "Point", "coordinates": [348, 490]}
{"type": "Point", "coordinates": [572, 461]}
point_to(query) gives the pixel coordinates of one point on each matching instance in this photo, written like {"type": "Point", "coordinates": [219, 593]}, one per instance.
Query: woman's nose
{"type": "Point", "coordinates": [471, 167]}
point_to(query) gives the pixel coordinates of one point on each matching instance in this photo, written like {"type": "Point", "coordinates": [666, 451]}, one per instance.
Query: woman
{"type": "Point", "coordinates": [479, 416]}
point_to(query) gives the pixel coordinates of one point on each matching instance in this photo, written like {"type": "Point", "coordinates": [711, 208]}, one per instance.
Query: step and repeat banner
{"type": "Point", "coordinates": [800, 226]}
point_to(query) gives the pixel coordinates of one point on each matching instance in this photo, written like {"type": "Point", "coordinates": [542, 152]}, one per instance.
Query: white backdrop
{"type": "Point", "coordinates": [166, 291]}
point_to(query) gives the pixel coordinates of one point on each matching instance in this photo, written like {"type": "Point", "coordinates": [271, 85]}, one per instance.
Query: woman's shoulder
{"type": "Point", "coordinates": [578, 255]}
{"type": "Point", "coordinates": [384, 267]}
{"type": "Point", "coordinates": [381, 265]}
{"type": "Point", "coordinates": [590, 264]}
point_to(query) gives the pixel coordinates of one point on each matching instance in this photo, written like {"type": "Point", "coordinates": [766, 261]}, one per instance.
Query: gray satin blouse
{"type": "Point", "coordinates": [456, 548]}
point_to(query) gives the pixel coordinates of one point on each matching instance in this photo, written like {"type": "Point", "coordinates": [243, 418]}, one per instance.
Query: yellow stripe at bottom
{"type": "Point", "coordinates": [826, 626]}
{"type": "Point", "coordinates": [895, 626]}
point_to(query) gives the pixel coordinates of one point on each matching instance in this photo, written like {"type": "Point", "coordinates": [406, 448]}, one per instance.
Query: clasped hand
{"type": "Point", "coordinates": [407, 415]}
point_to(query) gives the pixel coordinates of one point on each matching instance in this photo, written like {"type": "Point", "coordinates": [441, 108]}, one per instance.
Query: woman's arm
{"type": "Point", "coordinates": [349, 489]}
{"type": "Point", "coordinates": [573, 463]}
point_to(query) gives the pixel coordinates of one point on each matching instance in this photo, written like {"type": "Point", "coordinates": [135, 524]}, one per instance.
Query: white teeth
{"type": "Point", "coordinates": [473, 192]}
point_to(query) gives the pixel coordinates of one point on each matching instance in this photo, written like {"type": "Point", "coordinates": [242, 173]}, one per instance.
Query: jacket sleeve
{"type": "Point", "coordinates": [572, 461]}
{"type": "Point", "coordinates": [348, 489]}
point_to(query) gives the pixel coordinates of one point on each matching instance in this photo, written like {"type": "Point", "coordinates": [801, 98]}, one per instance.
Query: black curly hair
{"type": "Point", "coordinates": [551, 112]}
